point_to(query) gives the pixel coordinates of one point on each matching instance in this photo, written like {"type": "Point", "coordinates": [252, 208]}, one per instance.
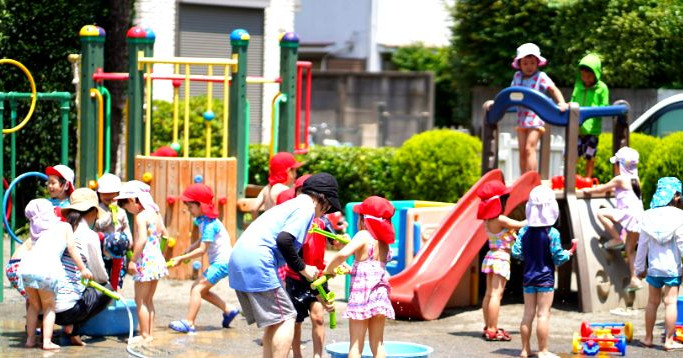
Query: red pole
{"type": "Point", "coordinates": [297, 114]}
{"type": "Point", "coordinates": [309, 71]}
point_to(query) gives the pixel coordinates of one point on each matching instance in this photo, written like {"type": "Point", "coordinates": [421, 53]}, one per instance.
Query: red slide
{"type": "Point", "coordinates": [422, 290]}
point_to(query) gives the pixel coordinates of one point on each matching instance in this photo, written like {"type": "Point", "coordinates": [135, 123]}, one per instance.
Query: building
{"type": "Point", "coordinates": [201, 28]}
{"type": "Point", "coordinates": [360, 35]}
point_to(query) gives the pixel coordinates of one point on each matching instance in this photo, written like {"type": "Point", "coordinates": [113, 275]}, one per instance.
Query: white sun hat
{"type": "Point", "coordinates": [526, 50]}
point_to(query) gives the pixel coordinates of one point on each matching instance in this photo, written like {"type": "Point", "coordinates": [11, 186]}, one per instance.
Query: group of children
{"type": "Point", "coordinates": [657, 232]}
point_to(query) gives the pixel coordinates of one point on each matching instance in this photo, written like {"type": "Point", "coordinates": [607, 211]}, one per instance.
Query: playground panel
{"type": "Point", "coordinates": [170, 176]}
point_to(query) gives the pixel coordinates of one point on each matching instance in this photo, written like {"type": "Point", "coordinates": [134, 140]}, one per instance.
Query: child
{"type": "Point", "coordinates": [661, 242]}
{"type": "Point", "coordinates": [530, 126]}
{"type": "Point", "coordinates": [60, 184]}
{"type": "Point", "coordinates": [538, 245]}
{"type": "Point", "coordinates": [281, 176]}
{"type": "Point", "coordinates": [590, 91]}
{"type": "Point", "coordinates": [147, 265]}
{"type": "Point", "coordinates": [496, 264]}
{"type": "Point", "coordinates": [215, 241]}
{"type": "Point", "coordinates": [369, 303]}
{"type": "Point", "coordinates": [628, 211]}
{"type": "Point", "coordinates": [114, 226]}
{"type": "Point", "coordinates": [41, 268]}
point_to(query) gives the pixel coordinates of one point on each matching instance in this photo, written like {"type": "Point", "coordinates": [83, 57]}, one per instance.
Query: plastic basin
{"type": "Point", "coordinates": [393, 349]}
{"type": "Point", "coordinates": [679, 319]}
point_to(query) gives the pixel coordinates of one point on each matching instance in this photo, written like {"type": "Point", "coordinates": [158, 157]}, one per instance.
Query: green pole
{"type": "Point", "coordinates": [289, 45]}
{"type": "Point", "coordinates": [64, 107]}
{"type": "Point", "coordinates": [2, 194]}
{"type": "Point", "coordinates": [136, 42]}
{"type": "Point", "coordinates": [92, 58]}
{"type": "Point", "coordinates": [237, 130]}
{"type": "Point", "coordinates": [12, 166]}
{"type": "Point", "coordinates": [107, 127]}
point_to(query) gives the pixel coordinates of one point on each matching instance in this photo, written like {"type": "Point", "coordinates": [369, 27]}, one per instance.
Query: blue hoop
{"type": "Point", "coordinates": [5, 199]}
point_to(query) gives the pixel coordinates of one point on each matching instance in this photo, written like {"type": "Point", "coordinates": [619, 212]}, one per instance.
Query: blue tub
{"type": "Point", "coordinates": [112, 321]}
{"type": "Point", "coordinates": [394, 349]}
{"type": "Point", "coordinates": [679, 319]}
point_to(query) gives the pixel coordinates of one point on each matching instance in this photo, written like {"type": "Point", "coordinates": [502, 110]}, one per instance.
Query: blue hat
{"type": "Point", "coordinates": [667, 187]}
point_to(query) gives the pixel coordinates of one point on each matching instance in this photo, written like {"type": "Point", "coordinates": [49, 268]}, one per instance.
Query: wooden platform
{"type": "Point", "coordinates": [170, 176]}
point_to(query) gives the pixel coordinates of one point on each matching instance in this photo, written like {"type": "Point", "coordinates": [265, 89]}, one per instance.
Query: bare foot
{"type": "Point", "coordinates": [76, 341]}
{"type": "Point", "coordinates": [50, 347]}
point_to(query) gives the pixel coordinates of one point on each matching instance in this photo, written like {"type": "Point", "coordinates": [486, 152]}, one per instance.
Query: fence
{"type": "Point", "coordinates": [370, 109]}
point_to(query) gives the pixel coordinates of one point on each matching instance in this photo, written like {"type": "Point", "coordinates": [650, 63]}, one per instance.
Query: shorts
{"type": "Point", "coordinates": [266, 308]}
{"type": "Point", "coordinates": [302, 296]}
{"type": "Point", "coordinates": [659, 281]}
{"type": "Point", "coordinates": [588, 145]}
{"type": "Point", "coordinates": [14, 279]}
{"type": "Point", "coordinates": [216, 272]}
{"type": "Point", "coordinates": [537, 289]}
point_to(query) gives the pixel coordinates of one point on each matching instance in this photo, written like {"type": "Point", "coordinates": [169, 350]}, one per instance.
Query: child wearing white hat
{"type": "Point", "coordinates": [629, 210]}
{"type": "Point", "coordinates": [114, 226]}
{"type": "Point", "coordinates": [530, 126]}
{"type": "Point", "coordinates": [60, 184]}
{"type": "Point", "coordinates": [539, 246]}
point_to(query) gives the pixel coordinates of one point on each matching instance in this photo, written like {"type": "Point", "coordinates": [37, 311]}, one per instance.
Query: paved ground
{"type": "Point", "coordinates": [455, 334]}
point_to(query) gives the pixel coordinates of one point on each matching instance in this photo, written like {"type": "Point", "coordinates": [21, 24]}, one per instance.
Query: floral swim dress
{"type": "Point", "coordinates": [151, 265]}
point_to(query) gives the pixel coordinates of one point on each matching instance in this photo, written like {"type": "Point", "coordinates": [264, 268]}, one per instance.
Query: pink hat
{"type": "Point", "coordinates": [41, 216]}
{"type": "Point", "coordinates": [542, 208]}
{"type": "Point", "coordinates": [526, 50]}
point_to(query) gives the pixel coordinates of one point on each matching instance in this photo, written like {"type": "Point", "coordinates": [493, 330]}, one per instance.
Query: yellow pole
{"type": "Point", "coordinates": [226, 108]}
{"type": "Point", "coordinates": [95, 93]}
{"type": "Point", "coordinates": [186, 125]}
{"type": "Point", "coordinates": [176, 104]}
{"type": "Point", "coordinates": [209, 103]}
{"type": "Point", "coordinates": [148, 110]}
{"type": "Point", "coordinates": [272, 124]}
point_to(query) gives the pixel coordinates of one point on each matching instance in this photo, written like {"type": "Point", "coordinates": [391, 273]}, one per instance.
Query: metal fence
{"type": "Point", "coordinates": [370, 109]}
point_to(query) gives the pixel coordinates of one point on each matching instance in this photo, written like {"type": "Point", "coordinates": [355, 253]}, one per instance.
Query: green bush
{"type": "Point", "coordinates": [259, 156]}
{"type": "Point", "coordinates": [437, 165]}
{"type": "Point", "coordinates": [643, 143]}
{"type": "Point", "coordinates": [665, 160]}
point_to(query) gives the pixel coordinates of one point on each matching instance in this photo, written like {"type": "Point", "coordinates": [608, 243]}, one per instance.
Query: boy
{"type": "Point", "coordinates": [590, 91]}
{"type": "Point", "coordinates": [215, 241]}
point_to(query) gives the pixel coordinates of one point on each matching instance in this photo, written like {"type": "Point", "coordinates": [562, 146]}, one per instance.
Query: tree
{"type": "Point", "coordinates": [418, 57]}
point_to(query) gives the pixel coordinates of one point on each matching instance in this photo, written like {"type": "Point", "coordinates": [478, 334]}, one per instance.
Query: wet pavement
{"type": "Point", "coordinates": [456, 334]}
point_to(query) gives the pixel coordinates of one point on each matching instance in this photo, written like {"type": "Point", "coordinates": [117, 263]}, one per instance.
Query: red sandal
{"type": "Point", "coordinates": [498, 336]}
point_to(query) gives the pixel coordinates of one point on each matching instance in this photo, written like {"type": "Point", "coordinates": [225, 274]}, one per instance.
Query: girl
{"type": "Point", "coordinates": [529, 125]}
{"type": "Point", "coordinates": [114, 227]}
{"type": "Point", "coordinates": [496, 264]}
{"type": "Point", "coordinates": [147, 265]}
{"type": "Point", "coordinates": [60, 184]}
{"type": "Point", "coordinates": [369, 303]}
{"type": "Point", "coordinates": [281, 176]}
{"type": "Point", "coordinates": [538, 245]}
{"type": "Point", "coordinates": [661, 242]}
{"type": "Point", "coordinates": [41, 269]}
{"type": "Point", "coordinates": [628, 211]}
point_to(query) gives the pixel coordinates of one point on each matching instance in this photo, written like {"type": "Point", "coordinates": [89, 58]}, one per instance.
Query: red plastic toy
{"type": "Point", "coordinates": [603, 338]}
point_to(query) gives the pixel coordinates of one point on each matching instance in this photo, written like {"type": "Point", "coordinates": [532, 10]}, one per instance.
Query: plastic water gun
{"type": "Point", "coordinates": [167, 241]}
{"type": "Point", "coordinates": [341, 238]}
{"type": "Point", "coordinates": [195, 265]}
{"type": "Point", "coordinates": [106, 291]}
{"type": "Point", "coordinates": [328, 297]}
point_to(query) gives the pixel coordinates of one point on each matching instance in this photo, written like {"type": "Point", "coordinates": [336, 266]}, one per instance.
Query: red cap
{"type": "Point", "coordinates": [279, 164]}
{"type": "Point", "coordinates": [300, 181]}
{"type": "Point", "coordinates": [285, 195]}
{"type": "Point", "coordinates": [202, 194]}
{"type": "Point", "coordinates": [377, 213]}
{"type": "Point", "coordinates": [164, 151]}
{"type": "Point", "coordinates": [64, 172]}
{"type": "Point", "coordinates": [490, 205]}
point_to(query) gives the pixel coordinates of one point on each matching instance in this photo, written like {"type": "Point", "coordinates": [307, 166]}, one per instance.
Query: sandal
{"type": "Point", "coordinates": [182, 326]}
{"type": "Point", "coordinates": [498, 336]}
{"type": "Point", "coordinates": [228, 317]}
{"type": "Point", "coordinates": [618, 246]}
{"type": "Point", "coordinates": [674, 347]}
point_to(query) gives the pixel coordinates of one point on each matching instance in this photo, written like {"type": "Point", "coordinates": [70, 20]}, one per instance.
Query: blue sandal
{"type": "Point", "coordinates": [182, 326]}
{"type": "Point", "coordinates": [228, 317]}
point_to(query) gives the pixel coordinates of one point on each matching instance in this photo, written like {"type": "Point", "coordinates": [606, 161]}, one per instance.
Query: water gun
{"type": "Point", "coordinates": [341, 238]}
{"type": "Point", "coordinates": [195, 265]}
{"type": "Point", "coordinates": [328, 297]}
{"type": "Point", "coordinates": [111, 294]}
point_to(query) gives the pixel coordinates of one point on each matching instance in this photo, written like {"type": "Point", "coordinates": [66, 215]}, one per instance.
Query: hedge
{"type": "Point", "coordinates": [665, 160]}
{"type": "Point", "coordinates": [435, 165]}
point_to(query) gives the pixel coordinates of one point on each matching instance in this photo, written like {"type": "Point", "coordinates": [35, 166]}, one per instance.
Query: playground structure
{"type": "Point", "coordinates": [168, 176]}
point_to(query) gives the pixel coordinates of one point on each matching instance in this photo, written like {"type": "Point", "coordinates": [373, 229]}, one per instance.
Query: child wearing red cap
{"type": "Point", "coordinates": [215, 241]}
{"type": "Point", "coordinates": [496, 265]}
{"type": "Point", "coordinates": [281, 176]}
{"type": "Point", "coordinates": [60, 184]}
{"type": "Point", "coordinates": [368, 305]}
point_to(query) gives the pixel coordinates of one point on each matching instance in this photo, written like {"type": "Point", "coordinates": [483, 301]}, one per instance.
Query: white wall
{"type": "Point", "coordinates": [402, 22]}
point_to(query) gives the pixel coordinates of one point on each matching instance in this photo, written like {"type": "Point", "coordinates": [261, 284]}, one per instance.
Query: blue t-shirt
{"type": "Point", "coordinates": [541, 250]}
{"type": "Point", "coordinates": [59, 203]}
{"type": "Point", "coordinates": [255, 257]}
{"type": "Point", "coordinates": [212, 232]}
